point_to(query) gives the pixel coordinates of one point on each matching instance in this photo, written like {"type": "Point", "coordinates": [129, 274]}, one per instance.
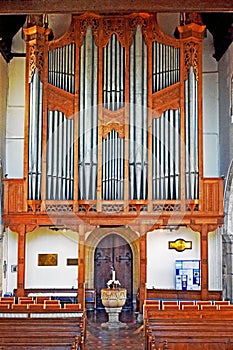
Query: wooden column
{"type": "Point", "coordinates": [143, 267]}
{"type": "Point", "coordinates": [81, 266]}
{"type": "Point", "coordinates": [204, 263]}
{"type": "Point", "coordinates": [21, 230]}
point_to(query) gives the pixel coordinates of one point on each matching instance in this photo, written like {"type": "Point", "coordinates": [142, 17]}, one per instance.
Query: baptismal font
{"type": "Point", "coordinates": [113, 298]}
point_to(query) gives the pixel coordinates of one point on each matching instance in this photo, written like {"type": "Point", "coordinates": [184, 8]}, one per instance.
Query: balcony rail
{"type": "Point", "coordinates": [210, 203]}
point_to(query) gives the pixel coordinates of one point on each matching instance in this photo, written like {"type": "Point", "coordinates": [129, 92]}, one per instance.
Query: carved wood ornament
{"type": "Point", "coordinates": [191, 58]}
{"type": "Point", "coordinates": [168, 98]}
{"type": "Point", "coordinates": [36, 37]}
{"type": "Point", "coordinates": [60, 100]}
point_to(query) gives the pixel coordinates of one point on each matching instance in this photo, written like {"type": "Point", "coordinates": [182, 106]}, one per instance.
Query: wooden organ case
{"type": "Point", "coordinates": [113, 133]}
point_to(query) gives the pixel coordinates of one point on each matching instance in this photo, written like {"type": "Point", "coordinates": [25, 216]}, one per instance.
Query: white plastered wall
{"type": "Point", "coordinates": [15, 112]}
{"type": "Point", "coordinates": [41, 241]}
{"type": "Point", "coordinates": [161, 260]}
{"type": "Point", "coordinates": [10, 260]}
{"type": "Point", "coordinates": [64, 243]}
{"type": "Point", "coordinates": [210, 109]}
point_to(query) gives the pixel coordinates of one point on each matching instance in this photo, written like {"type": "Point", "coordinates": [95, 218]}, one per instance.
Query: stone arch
{"type": "Point", "coordinates": [91, 242]}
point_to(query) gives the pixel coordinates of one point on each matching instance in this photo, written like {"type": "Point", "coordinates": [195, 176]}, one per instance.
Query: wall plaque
{"type": "Point", "coordinates": [47, 259]}
{"type": "Point", "coordinates": [180, 245]}
{"type": "Point", "coordinates": [72, 262]}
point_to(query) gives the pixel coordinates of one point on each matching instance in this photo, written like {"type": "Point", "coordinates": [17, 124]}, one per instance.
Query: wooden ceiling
{"type": "Point", "coordinates": [113, 6]}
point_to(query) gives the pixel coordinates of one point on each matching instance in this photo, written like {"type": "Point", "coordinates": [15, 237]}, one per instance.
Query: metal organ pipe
{"type": "Point", "coordinates": [113, 166]}
{"type": "Point", "coordinates": [165, 129]}
{"type": "Point", "coordinates": [138, 118]}
{"type": "Point", "coordinates": [113, 99]}
{"type": "Point", "coordinates": [165, 66]}
{"type": "Point", "coordinates": [191, 136]}
{"type": "Point", "coordinates": [35, 138]}
{"type": "Point", "coordinates": [113, 77]}
{"type": "Point", "coordinates": [59, 157]}
{"type": "Point", "coordinates": [61, 67]}
{"type": "Point", "coordinates": [166, 156]}
{"type": "Point", "coordinates": [88, 121]}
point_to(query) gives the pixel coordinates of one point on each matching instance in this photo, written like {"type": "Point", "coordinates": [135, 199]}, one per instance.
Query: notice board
{"type": "Point", "coordinates": [188, 275]}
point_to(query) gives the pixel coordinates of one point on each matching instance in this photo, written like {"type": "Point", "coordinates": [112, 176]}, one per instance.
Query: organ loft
{"type": "Point", "coordinates": [113, 147]}
{"type": "Point", "coordinates": [116, 175]}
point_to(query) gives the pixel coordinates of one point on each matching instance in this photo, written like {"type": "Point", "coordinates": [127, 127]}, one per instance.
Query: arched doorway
{"type": "Point", "coordinates": [113, 252]}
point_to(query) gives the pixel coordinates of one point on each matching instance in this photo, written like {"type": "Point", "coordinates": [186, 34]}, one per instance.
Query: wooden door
{"type": "Point", "coordinates": [113, 252]}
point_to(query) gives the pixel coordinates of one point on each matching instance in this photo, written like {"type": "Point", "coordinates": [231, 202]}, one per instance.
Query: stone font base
{"type": "Point", "coordinates": [113, 318]}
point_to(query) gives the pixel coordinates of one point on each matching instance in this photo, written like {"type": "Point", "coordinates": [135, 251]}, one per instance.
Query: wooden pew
{"type": "Point", "coordinates": [208, 328]}
{"type": "Point", "coordinates": [35, 325]}
{"type": "Point", "coordinates": [29, 332]}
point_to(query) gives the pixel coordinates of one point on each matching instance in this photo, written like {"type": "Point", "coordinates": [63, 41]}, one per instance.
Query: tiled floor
{"type": "Point", "coordinates": [121, 339]}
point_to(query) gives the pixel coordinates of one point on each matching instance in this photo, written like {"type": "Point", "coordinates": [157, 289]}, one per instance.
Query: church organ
{"type": "Point", "coordinates": [113, 129]}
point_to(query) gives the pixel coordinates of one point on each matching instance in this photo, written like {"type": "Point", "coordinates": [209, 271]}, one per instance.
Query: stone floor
{"type": "Point", "coordinates": [121, 339]}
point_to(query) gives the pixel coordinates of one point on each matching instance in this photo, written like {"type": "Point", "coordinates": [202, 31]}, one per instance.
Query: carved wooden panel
{"type": "Point", "coordinates": [60, 100]}
{"type": "Point", "coordinates": [168, 98]}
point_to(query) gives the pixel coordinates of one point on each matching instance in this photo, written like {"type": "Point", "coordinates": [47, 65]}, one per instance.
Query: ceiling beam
{"type": "Point", "coordinates": [112, 6]}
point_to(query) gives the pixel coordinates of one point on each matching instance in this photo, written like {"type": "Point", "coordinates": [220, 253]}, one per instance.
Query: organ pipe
{"type": "Point", "coordinates": [125, 73]}
{"type": "Point", "coordinates": [35, 138]}
{"type": "Point", "coordinates": [191, 136]}
{"type": "Point", "coordinates": [113, 167]}
{"type": "Point", "coordinates": [60, 157]}
{"type": "Point", "coordinates": [166, 156]}
{"type": "Point", "coordinates": [61, 67]}
{"type": "Point", "coordinates": [88, 119]}
{"type": "Point", "coordinates": [165, 66]}
{"type": "Point", "coordinates": [113, 77]}
{"type": "Point", "coordinates": [138, 119]}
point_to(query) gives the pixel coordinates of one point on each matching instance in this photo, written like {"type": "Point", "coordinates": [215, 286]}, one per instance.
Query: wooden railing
{"type": "Point", "coordinates": [209, 203]}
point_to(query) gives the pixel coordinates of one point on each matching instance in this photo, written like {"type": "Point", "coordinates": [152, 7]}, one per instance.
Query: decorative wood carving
{"type": "Point", "coordinates": [192, 17]}
{"type": "Point", "coordinates": [123, 26]}
{"type": "Point", "coordinates": [119, 25]}
{"type": "Point", "coordinates": [198, 227]}
{"type": "Point", "coordinates": [35, 20]}
{"type": "Point", "coordinates": [191, 58]}
{"type": "Point", "coordinates": [152, 32]}
{"type": "Point", "coordinates": [213, 227]}
{"type": "Point", "coordinates": [195, 227]}
{"type": "Point", "coordinates": [192, 34]}
{"type": "Point", "coordinates": [168, 98]}
{"type": "Point", "coordinates": [16, 213]}
{"type": "Point", "coordinates": [34, 206]}
{"type": "Point", "coordinates": [109, 116]}
{"type": "Point", "coordinates": [106, 129]}
{"type": "Point", "coordinates": [36, 37]}
{"type": "Point", "coordinates": [20, 229]}
{"type": "Point", "coordinates": [36, 60]}
{"type": "Point", "coordinates": [60, 100]}
{"type": "Point", "coordinates": [30, 228]}
{"type": "Point", "coordinates": [112, 120]}
{"type": "Point", "coordinates": [67, 38]}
